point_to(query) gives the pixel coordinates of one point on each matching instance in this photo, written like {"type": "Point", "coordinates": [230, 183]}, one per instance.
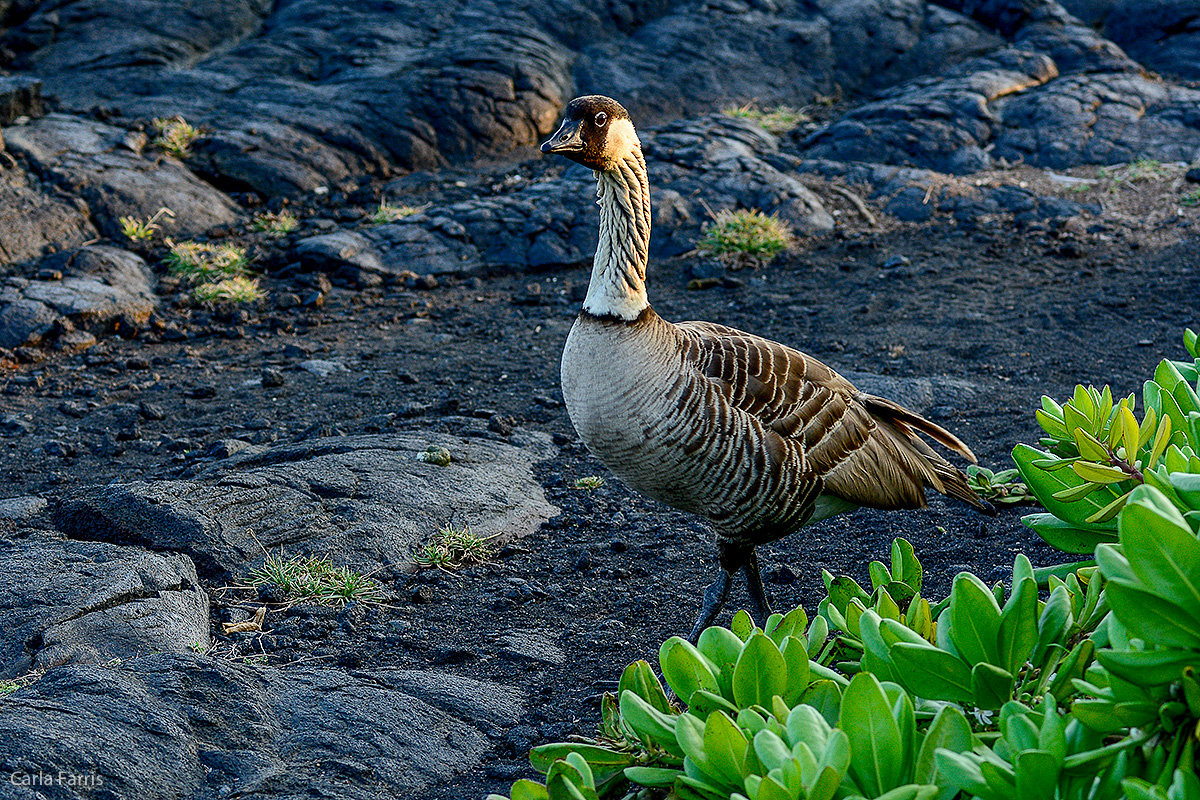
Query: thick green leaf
{"type": "Point", "coordinates": [911, 791]}
{"type": "Point", "coordinates": [655, 777]}
{"type": "Point", "coordinates": [1162, 398]}
{"type": "Point", "coordinates": [1187, 487]}
{"type": "Point", "coordinates": [950, 731]}
{"type": "Point", "coordinates": [722, 647]}
{"type": "Point", "coordinates": [931, 672]}
{"type": "Point", "coordinates": [796, 657]}
{"type": "Point", "coordinates": [570, 779]}
{"type": "Point", "coordinates": [791, 624]}
{"type": "Point", "coordinates": [875, 647]}
{"type": "Point", "coordinates": [1072, 666]}
{"type": "Point", "coordinates": [875, 746]}
{"type": "Point", "coordinates": [906, 568]}
{"type": "Point", "coordinates": [806, 724]}
{"type": "Point", "coordinates": [640, 679]}
{"type": "Point", "coordinates": [1150, 667]}
{"type": "Point", "coordinates": [1055, 618]}
{"type": "Point", "coordinates": [742, 626]}
{"type": "Point", "coordinates": [1068, 537]}
{"type": "Point", "coordinates": [690, 787]}
{"type": "Point", "coordinates": [760, 673]}
{"type": "Point", "coordinates": [842, 590]}
{"type": "Point", "coordinates": [991, 686]}
{"type": "Point", "coordinates": [686, 669]}
{"type": "Point", "coordinates": [1037, 775]}
{"type": "Point", "coordinates": [1018, 633]}
{"type": "Point", "coordinates": [1149, 617]}
{"type": "Point", "coordinates": [1099, 473]}
{"type": "Point", "coordinates": [1160, 547]}
{"type": "Point", "coordinates": [1044, 485]}
{"type": "Point", "coordinates": [528, 790]}
{"type": "Point", "coordinates": [689, 732]}
{"type": "Point", "coordinates": [962, 770]}
{"type": "Point", "coordinates": [600, 759]}
{"type": "Point", "coordinates": [879, 574]}
{"type": "Point", "coordinates": [976, 620]}
{"type": "Point", "coordinates": [651, 725]}
{"type": "Point", "coordinates": [771, 789]}
{"type": "Point", "coordinates": [702, 703]}
{"type": "Point", "coordinates": [771, 750]}
{"type": "Point", "coordinates": [825, 697]}
{"type": "Point", "coordinates": [725, 746]}
{"type": "Point", "coordinates": [818, 631]}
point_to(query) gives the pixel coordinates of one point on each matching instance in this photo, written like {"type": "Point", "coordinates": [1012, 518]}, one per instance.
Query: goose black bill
{"type": "Point", "coordinates": [567, 139]}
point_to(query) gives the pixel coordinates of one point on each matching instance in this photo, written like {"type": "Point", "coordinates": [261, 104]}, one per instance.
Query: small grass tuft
{"type": "Point", "coordinates": [589, 483]}
{"type": "Point", "coordinates": [1191, 199]}
{"type": "Point", "coordinates": [453, 547]}
{"type": "Point", "coordinates": [201, 262]}
{"type": "Point", "coordinates": [136, 230]}
{"type": "Point", "coordinates": [314, 579]}
{"type": "Point", "coordinates": [176, 135]}
{"type": "Point", "coordinates": [746, 236]}
{"type": "Point", "coordinates": [10, 685]}
{"type": "Point", "coordinates": [238, 289]}
{"type": "Point", "coordinates": [277, 223]}
{"type": "Point", "coordinates": [777, 120]}
{"type": "Point", "coordinates": [386, 212]}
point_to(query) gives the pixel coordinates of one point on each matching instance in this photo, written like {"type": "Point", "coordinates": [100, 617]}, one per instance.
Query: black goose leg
{"type": "Point", "coordinates": [714, 600]}
{"type": "Point", "coordinates": [760, 609]}
{"type": "Point", "coordinates": [732, 557]}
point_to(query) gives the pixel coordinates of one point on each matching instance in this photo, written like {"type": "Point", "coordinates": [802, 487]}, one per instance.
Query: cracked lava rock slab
{"type": "Point", "coordinates": [365, 501]}
{"type": "Point", "coordinates": [67, 601]}
{"type": "Point", "coordinates": [186, 725]}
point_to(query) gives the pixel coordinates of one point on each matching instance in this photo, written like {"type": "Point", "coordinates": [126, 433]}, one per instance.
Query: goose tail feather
{"type": "Point", "coordinates": [948, 479]}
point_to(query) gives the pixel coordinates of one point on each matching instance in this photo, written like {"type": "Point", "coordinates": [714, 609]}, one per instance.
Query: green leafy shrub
{"type": "Point", "coordinates": [1005, 696]}
{"type": "Point", "coordinates": [999, 488]}
{"type": "Point", "coordinates": [386, 212]}
{"type": "Point", "coordinates": [1097, 452]}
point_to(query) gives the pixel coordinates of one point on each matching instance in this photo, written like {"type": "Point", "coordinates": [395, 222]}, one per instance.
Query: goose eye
{"type": "Point", "coordinates": [601, 118]}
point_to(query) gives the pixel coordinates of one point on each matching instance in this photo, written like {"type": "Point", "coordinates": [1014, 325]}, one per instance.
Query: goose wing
{"type": "Point", "coordinates": [865, 449]}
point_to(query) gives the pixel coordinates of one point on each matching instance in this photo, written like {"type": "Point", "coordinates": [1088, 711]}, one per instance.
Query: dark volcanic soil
{"type": "Point", "coordinates": [1014, 314]}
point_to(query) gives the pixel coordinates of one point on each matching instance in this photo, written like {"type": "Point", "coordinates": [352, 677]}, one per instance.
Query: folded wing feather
{"type": "Point", "coordinates": [865, 449]}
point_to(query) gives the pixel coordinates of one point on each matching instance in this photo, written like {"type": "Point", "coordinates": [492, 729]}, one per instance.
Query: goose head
{"type": "Point", "coordinates": [596, 131]}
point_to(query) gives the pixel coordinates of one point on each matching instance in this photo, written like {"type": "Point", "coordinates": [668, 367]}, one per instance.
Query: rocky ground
{"type": "Point", "coordinates": [994, 201]}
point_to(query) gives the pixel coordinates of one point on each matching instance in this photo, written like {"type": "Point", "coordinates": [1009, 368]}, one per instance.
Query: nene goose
{"type": "Point", "coordinates": [756, 437]}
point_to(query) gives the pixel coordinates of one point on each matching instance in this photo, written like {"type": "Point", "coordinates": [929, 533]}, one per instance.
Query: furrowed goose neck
{"type": "Point", "coordinates": [618, 285]}
{"type": "Point", "coordinates": [598, 133]}
{"type": "Point", "coordinates": [755, 437]}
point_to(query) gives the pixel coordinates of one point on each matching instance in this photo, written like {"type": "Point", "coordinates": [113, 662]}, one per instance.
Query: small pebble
{"type": "Point", "coordinates": [271, 377]}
